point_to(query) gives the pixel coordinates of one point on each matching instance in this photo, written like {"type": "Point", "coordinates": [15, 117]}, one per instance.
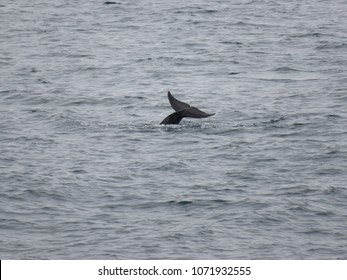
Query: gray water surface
{"type": "Point", "coordinates": [87, 172]}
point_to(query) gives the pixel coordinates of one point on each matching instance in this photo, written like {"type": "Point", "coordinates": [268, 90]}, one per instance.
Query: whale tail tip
{"type": "Point", "coordinates": [182, 110]}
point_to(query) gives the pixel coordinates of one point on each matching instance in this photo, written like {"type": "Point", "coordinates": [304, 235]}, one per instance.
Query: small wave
{"type": "Point", "coordinates": [78, 171]}
{"type": "Point", "coordinates": [332, 46]}
{"type": "Point", "coordinates": [139, 127]}
{"type": "Point", "coordinates": [278, 80]}
{"type": "Point", "coordinates": [231, 43]}
{"type": "Point", "coordinates": [340, 191]}
{"type": "Point", "coordinates": [330, 172]}
{"type": "Point", "coordinates": [7, 94]}
{"type": "Point", "coordinates": [41, 193]}
{"type": "Point", "coordinates": [308, 35]}
{"type": "Point", "coordinates": [170, 166]}
{"type": "Point", "coordinates": [43, 81]}
{"type": "Point", "coordinates": [315, 231]}
{"type": "Point", "coordinates": [78, 102]}
{"type": "Point", "coordinates": [195, 10]}
{"type": "Point", "coordinates": [233, 73]}
{"type": "Point", "coordinates": [229, 129]}
{"type": "Point", "coordinates": [185, 203]}
{"type": "Point", "coordinates": [68, 121]}
{"type": "Point", "coordinates": [333, 116]}
{"type": "Point", "coordinates": [274, 120]}
{"type": "Point", "coordinates": [30, 99]}
{"type": "Point", "coordinates": [285, 69]}
{"type": "Point", "coordinates": [255, 24]}
{"type": "Point", "coordinates": [35, 140]}
{"type": "Point", "coordinates": [134, 97]}
{"type": "Point", "coordinates": [81, 101]}
{"type": "Point", "coordinates": [210, 11]}
{"type": "Point", "coordinates": [182, 202]}
{"type": "Point", "coordinates": [112, 3]}
{"type": "Point", "coordinates": [78, 55]}
{"type": "Point", "coordinates": [189, 126]}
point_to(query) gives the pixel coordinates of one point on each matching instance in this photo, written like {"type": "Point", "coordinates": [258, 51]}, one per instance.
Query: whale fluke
{"type": "Point", "coordinates": [176, 104]}
{"type": "Point", "coordinates": [183, 110]}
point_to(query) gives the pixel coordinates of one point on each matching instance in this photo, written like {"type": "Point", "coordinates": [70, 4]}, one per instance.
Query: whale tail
{"type": "Point", "coordinates": [183, 110]}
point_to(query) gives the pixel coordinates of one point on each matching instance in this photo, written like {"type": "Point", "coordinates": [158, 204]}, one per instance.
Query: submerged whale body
{"type": "Point", "coordinates": [182, 110]}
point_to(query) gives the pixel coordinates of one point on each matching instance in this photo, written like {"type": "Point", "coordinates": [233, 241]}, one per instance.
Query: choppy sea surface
{"type": "Point", "coordinates": [87, 172]}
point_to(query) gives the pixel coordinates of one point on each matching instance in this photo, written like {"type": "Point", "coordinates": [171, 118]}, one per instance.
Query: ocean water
{"type": "Point", "coordinates": [87, 172]}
